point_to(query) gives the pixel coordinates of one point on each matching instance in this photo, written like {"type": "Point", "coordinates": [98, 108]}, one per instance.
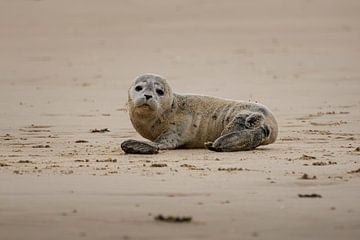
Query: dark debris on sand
{"type": "Point", "coordinates": [324, 163]}
{"type": "Point", "coordinates": [173, 219]}
{"type": "Point", "coordinates": [305, 176]}
{"type": "Point", "coordinates": [107, 160]}
{"type": "Point", "coordinates": [312, 195]}
{"type": "Point", "coordinates": [307, 157]}
{"type": "Point", "coordinates": [158, 165]}
{"type": "Point", "coordinates": [103, 130]}
{"type": "Point", "coordinates": [41, 146]}
{"type": "Point", "coordinates": [191, 167]}
{"type": "Point", "coordinates": [232, 169]}
{"type": "Point", "coordinates": [25, 161]}
{"type": "Point", "coordinates": [355, 171]}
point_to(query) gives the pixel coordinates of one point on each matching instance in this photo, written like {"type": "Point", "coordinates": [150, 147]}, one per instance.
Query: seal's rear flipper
{"type": "Point", "coordinates": [139, 147]}
{"type": "Point", "coordinates": [209, 145]}
{"type": "Point", "coordinates": [246, 139]}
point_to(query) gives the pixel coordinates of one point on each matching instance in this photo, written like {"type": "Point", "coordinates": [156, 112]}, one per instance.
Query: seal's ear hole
{"type": "Point", "coordinates": [138, 88]}
{"type": "Point", "coordinates": [160, 92]}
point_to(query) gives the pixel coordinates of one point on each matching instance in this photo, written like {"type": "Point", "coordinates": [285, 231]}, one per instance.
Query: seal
{"type": "Point", "coordinates": [171, 120]}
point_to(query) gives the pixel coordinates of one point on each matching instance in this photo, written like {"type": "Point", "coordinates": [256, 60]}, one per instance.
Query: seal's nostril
{"type": "Point", "coordinates": [147, 97]}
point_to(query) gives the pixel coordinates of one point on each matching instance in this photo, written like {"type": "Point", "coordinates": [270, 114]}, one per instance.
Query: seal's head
{"type": "Point", "coordinates": [150, 94]}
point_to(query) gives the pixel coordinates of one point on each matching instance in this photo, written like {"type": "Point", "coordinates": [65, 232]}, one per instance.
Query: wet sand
{"type": "Point", "coordinates": [65, 68]}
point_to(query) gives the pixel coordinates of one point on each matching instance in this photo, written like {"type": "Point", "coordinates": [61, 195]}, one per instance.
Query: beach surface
{"type": "Point", "coordinates": [66, 66]}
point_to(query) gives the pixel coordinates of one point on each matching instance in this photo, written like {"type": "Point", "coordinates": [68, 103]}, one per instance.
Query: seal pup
{"type": "Point", "coordinates": [171, 120]}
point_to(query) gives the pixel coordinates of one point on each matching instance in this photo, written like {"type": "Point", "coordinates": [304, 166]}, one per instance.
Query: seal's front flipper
{"type": "Point", "coordinates": [169, 140]}
{"type": "Point", "coordinates": [139, 147]}
{"type": "Point", "coordinates": [246, 139]}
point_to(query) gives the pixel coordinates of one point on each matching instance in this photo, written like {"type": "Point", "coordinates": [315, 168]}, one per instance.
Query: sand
{"type": "Point", "coordinates": [65, 67]}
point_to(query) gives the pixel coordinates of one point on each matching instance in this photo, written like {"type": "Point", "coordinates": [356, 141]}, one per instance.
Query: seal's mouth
{"type": "Point", "coordinates": [146, 106]}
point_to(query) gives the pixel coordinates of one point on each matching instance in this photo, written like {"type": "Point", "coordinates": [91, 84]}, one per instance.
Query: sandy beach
{"type": "Point", "coordinates": [66, 66]}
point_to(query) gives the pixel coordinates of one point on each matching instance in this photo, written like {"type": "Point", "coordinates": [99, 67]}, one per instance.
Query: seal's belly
{"type": "Point", "coordinates": [207, 125]}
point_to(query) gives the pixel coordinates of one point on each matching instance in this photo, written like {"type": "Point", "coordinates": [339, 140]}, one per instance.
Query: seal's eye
{"type": "Point", "coordinates": [160, 92]}
{"type": "Point", "coordinates": [138, 88]}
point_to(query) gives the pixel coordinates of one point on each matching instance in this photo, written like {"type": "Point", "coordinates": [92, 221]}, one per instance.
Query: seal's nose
{"type": "Point", "coordinates": [147, 96]}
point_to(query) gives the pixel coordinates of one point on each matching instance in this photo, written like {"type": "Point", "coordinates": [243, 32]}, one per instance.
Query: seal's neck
{"type": "Point", "coordinates": [151, 124]}
{"type": "Point", "coordinates": [142, 124]}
